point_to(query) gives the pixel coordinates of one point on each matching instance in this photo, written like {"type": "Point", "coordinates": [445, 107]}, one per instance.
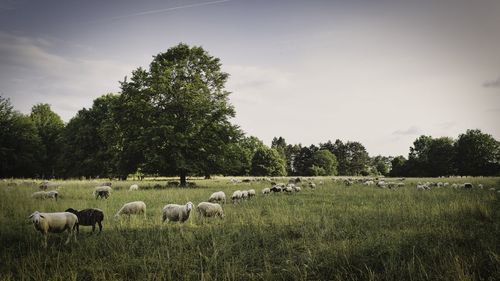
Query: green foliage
{"type": "Point", "coordinates": [324, 163]}
{"type": "Point", "coordinates": [19, 143]}
{"type": "Point", "coordinates": [477, 153]}
{"type": "Point", "coordinates": [381, 165]}
{"type": "Point", "coordinates": [177, 114]}
{"type": "Point", "coordinates": [89, 141]}
{"type": "Point", "coordinates": [353, 160]}
{"type": "Point", "coordinates": [399, 167]}
{"type": "Point", "coordinates": [268, 162]}
{"type": "Point", "coordinates": [49, 128]}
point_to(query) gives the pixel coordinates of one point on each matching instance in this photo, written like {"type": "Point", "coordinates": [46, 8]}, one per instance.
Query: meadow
{"type": "Point", "coordinates": [334, 232]}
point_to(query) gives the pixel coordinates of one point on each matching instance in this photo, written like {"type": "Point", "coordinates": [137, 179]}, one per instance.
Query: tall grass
{"type": "Point", "coordinates": [331, 233]}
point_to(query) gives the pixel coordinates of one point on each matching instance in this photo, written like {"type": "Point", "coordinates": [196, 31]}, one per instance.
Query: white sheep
{"type": "Point", "coordinates": [312, 185]}
{"type": "Point", "coordinates": [175, 212]}
{"type": "Point", "coordinates": [39, 195]}
{"type": "Point", "coordinates": [102, 188]}
{"type": "Point", "coordinates": [244, 194]}
{"type": "Point", "coordinates": [133, 187]}
{"type": "Point", "coordinates": [136, 207]}
{"type": "Point", "coordinates": [218, 196]}
{"type": "Point", "coordinates": [297, 188]}
{"type": "Point", "coordinates": [55, 223]}
{"type": "Point", "coordinates": [45, 194]}
{"type": "Point", "coordinates": [480, 186]}
{"type": "Point", "coordinates": [207, 209]}
{"type": "Point", "coordinates": [288, 189]}
{"type": "Point", "coordinates": [251, 193]}
{"type": "Point", "coordinates": [266, 190]}
{"type": "Point", "coordinates": [52, 194]}
{"type": "Point", "coordinates": [236, 196]}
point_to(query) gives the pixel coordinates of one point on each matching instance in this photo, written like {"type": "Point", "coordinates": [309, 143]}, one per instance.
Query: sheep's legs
{"type": "Point", "coordinates": [69, 236]}
{"type": "Point", "coordinates": [100, 226]}
{"type": "Point", "coordinates": [44, 240]}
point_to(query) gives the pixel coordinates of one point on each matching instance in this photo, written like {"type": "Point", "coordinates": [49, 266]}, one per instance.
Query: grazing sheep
{"type": "Point", "coordinates": [102, 191]}
{"type": "Point", "coordinates": [107, 184]}
{"type": "Point", "coordinates": [480, 186]}
{"type": "Point", "coordinates": [174, 212]}
{"type": "Point", "coordinates": [237, 195]}
{"type": "Point", "coordinates": [207, 209]}
{"type": "Point", "coordinates": [136, 207]}
{"type": "Point", "coordinates": [251, 193]}
{"type": "Point", "coordinates": [381, 184]}
{"type": "Point", "coordinates": [52, 194]}
{"type": "Point", "coordinates": [454, 185]}
{"type": "Point", "coordinates": [266, 190]}
{"type": "Point", "coordinates": [276, 188]}
{"type": "Point", "coordinates": [312, 185]}
{"type": "Point", "coordinates": [133, 187]}
{"type": "Point", "coordinates": [218, 196]}
{"type": "Point", "coordinates": [244, 194]}
{"type": "Point", "coordinates": [288, 189]}
{"type": "Point", "coordinates": [44, 185]}
{"type": "Point", "coordinates": [297, 188]}
{"type": "Point", "coordinates": [468, 185]}
{"type": "Point", "coordinates": [55, 223]}
{"type": "Point", "coordinates": [45, 194]}
{"type": "Point", "coordinates": [88, 217]}
{"type": "Point", "coordinates": [103, 194]}
{"type": "Point", "coordinates": [39, 195]}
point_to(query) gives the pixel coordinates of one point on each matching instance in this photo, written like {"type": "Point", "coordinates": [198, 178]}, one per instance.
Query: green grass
{"type": "Point", "coordinates": [331, 233]}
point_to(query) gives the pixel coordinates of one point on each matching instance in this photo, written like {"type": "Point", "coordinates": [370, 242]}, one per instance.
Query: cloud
{"type": "Point", "coordinates": [413, 130]}
{"type": "Point", "coordinates": [492, 83]}
{"type": "Point", "coordinates": [31, 73]}
{"type": "Point", "coordinates": [253, 84]}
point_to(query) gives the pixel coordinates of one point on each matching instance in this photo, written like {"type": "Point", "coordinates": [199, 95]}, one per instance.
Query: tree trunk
{"type": "Point", "coordinates": [183, 179]}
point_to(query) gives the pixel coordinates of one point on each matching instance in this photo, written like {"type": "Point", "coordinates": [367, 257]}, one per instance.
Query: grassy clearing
{"type": "Point", "coordinates": [331, 233]}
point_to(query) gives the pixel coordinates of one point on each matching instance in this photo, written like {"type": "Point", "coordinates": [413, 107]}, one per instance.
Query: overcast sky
{"type": "Point", "coordinates": [381, 72]}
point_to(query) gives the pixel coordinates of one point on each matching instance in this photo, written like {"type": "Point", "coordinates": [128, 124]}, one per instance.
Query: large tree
{"type": "Point", "coordinates": [176, 115]}
{"type": "Point", "coordinates": [49, 127]}
{"type": "Point", "coordinates": [477, 154]}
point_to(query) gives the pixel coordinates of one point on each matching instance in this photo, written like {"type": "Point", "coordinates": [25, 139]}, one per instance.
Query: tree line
{"type": "Point", "coordinates": [173, 119]}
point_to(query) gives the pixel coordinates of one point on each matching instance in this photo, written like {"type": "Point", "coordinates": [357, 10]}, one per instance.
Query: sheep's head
{"type": "Point", "coordinates": [36, 217]}
{"type": "Point", "coordinates": [71, 210]}
{"type": "Point", "coordinates": [189, 206]}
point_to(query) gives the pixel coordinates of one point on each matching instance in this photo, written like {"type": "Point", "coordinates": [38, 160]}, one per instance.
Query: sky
{"type": "Point", "coordinates": [381, 72]}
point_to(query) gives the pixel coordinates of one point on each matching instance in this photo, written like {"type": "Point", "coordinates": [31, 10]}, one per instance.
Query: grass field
{"type": "Point", "coordinates": [331, 233]}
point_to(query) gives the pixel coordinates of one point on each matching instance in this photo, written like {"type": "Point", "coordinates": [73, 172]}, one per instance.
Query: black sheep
{"type": "Point", "coordinates": [88, 217]}
{"type": "Point", "coordinates": [102, 193]}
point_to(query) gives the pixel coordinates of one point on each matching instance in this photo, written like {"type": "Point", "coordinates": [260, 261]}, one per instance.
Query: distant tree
{"type": "Point", "coordinates": [381, 165]}
{"type": "Point", "coordinates": [280, 145]}
{"type": "Point", "coordinates": [19, 143]}
{"type": "Point", "coordinates": [398, 167]}
{"type": "Point", "coordinates": [340, 150]}
{"type": "Point", "coordinates": [89, 141]}
{"type": "Point", "coordinates": [304, 160]}
{"type": "Point", "coordinates": [291, 152]}
{"type": "Point", "coordinates": [175, 117]}
{"type": "Point", "coordinates": [357, 158]}
{"type": "Point", "coordinates": [267, 162]}
{"type": "Point", "coordinates": [477, 154]}
{"type": "Point", "coordinates": [323, 163]}
{"type": "Point", "coordinates": [441, 157]}
{"type": "Point", "coordinates": [49, 127]}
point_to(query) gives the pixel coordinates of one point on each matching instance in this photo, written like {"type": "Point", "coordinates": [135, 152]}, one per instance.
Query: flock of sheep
{"type": "Point", "coordinates": [71, 219]}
